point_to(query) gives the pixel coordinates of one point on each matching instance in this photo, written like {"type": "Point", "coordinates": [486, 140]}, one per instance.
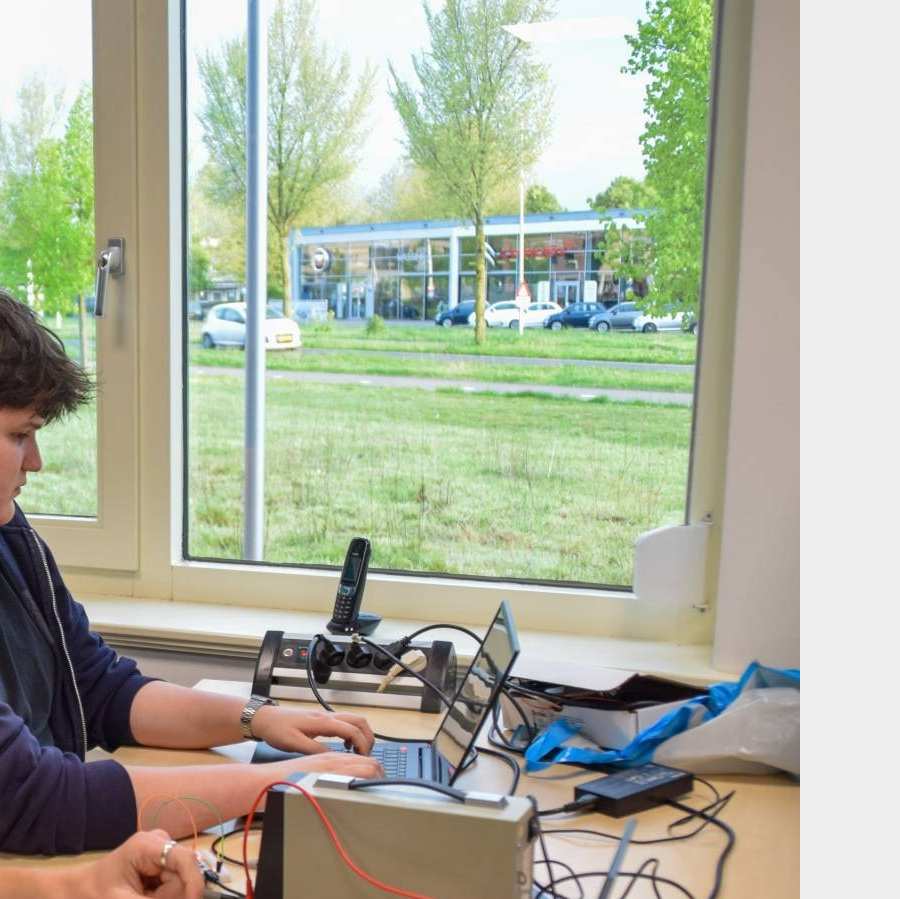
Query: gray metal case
{"type": "Point", "coordinates": [408, 837]}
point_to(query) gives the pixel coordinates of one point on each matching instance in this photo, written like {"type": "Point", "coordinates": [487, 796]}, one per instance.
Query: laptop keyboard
{"type": "Point", "coordinates": [391, 755]}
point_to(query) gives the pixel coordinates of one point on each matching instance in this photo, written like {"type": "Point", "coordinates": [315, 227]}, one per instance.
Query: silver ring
{"type": "Point", "coordinates": [166, 849]}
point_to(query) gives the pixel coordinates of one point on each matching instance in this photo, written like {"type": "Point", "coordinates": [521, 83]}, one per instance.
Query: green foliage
{"type": "Point", "coordinates": [539, 199]}
{"type": "Point", "coordinates": [673, 49]}
{"type": "Point", "coordinates": [47, 216]}
{"type": "Point", "coordinates": [375, 326]}
{"type": "Point", "coordinates": [479, 110]}
{"type": "Point", "coordinates": [625, 193]}
{"type": "Point", "coordinates": [316, 120]}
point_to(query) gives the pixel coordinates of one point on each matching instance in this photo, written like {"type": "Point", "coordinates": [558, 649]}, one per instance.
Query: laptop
{"type": "Point", "coordinates": [443, 759]}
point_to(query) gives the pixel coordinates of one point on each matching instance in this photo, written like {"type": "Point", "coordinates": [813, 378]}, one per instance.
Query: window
{"type": "Point", "coordinates": [488, 484]}
{"type": "Point", "coordinates": [56, 209]}
{"type": "Point", "coordinates": [152, 491]}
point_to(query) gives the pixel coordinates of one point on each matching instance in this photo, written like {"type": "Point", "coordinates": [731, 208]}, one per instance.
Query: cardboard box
{"type": "Point", "coordinates": [613, 706]}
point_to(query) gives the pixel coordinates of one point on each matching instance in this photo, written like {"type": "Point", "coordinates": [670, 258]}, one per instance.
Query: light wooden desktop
{"type": "Point", "coordinates": [764, 814]}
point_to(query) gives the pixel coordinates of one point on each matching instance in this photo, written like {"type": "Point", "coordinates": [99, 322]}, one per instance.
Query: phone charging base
{"type": "Point", "coordinates": [365, 624]}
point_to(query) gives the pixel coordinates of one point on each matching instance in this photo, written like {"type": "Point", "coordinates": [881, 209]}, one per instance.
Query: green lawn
{"type": "Point", "coordinates": [366, 362]}
{"type": "Point", "coordinates": [571, 343]}
{"type": "Point", "coordinates": [529, 487]}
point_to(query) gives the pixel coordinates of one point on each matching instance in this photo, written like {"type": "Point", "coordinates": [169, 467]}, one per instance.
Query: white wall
{"type": "Point", "coordinates": [758, 595]}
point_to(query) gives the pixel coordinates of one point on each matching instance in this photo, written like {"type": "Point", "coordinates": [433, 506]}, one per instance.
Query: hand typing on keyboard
{"type": "Point", "coordinates": [294, 730]}
{"type": "Point", "coordinates": [349, 763]}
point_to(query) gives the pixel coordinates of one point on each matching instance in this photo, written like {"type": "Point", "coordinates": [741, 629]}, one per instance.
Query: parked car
{"type": "Point", "coordinates": [690, 323]}
{"type": "Point", "coordinates": [505, 314]}
{"type": "Point", "coordinates": [619, 317]}
{"type": "Point", "coordinates": [461, 314]}
{"type": "Point", "coordinates": [577, 315]}
{"type": "Point", "coordinates": [651, 323]}
{"type": "Point", "coordinates": [226, 325]}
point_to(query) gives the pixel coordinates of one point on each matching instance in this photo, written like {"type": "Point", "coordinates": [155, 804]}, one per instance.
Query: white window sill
{"type": "Point", "coordinates": [235, 630]}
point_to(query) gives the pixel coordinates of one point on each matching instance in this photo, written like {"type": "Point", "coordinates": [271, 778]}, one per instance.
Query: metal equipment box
{"type": "Point", "coordinates": [408, 837]}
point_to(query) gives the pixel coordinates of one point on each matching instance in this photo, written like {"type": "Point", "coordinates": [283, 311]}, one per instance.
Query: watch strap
{"type": "Point", "coordinates": [254, 704]}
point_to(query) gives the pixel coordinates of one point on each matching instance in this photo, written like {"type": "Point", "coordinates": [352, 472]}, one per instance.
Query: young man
{"type": "Point", "coordinates": [147, 865]}
{"type": "Point", "coordinates": [63, 691]}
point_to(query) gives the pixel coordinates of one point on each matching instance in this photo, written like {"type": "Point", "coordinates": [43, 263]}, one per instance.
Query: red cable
{"type": "Point", "coordinates": [385, 887]}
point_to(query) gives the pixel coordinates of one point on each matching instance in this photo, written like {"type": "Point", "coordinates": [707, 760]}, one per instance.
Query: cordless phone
{"type": "Point", "coordinates": [344, 618]}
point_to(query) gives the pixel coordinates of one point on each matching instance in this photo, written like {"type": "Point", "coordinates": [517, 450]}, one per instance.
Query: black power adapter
{"type": "Point", "coordinates": [633, 790]}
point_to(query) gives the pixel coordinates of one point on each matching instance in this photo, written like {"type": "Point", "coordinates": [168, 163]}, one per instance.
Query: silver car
{"type": "Point", "coordinates": [619, 317]}
{"type": "Point", "coordinates": [226, 325]}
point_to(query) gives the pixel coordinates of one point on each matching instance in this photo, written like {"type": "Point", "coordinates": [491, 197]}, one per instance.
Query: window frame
{"type": "Point", "coordinates": [110, 540]}
{"type": "Point", "coordinates": [163, 573]}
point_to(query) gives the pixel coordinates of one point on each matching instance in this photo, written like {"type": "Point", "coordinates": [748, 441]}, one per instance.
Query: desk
{"type": "Point", "coordinates": [764, 813]}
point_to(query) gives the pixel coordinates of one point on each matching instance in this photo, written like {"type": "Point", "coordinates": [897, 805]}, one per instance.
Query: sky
{"type": "Point", "coordinates": [597, 114]}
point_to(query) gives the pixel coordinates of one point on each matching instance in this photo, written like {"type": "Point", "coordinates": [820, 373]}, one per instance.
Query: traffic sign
{"type": "Point", "coordinates": [523, 295]}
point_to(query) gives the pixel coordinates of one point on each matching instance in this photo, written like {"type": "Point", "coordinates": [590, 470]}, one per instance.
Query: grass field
{"type": "Point", "coordinates": [529, 487]}
{"type": "Point", "coordinates": [365, 362]}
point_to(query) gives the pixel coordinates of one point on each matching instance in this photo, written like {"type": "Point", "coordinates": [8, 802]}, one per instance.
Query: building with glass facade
{"type": "Point", "coordinates": [413, 270]}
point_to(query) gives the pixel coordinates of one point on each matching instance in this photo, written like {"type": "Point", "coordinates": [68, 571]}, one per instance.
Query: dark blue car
{"type": "Point", "coordinates": [461, 314]}
{"type": "Point", "coordinates": [575, 316]}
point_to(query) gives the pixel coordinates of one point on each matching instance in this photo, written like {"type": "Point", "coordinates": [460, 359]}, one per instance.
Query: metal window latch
{"type": "Point", "coordinates": [111, 261]}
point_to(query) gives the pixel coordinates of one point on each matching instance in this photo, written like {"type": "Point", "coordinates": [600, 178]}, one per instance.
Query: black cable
{"type": "Point", "coordinates": [443, 697]}
{"type": "Point", "coordinates": [214, 848]}
{"type": "Point", "coordinates": [634, 874]}
{"type": "Point", "coordinates": [612, 836]}
{"type": "Point", "coordinates": [729, 833]}
{"type": "Point", "coordinates": [634, 877]}
{"type": "Point", "coordinates": [212, 878]}
{"type": "Point", "coordinates": [310, 677]}
{"type": "Point", "coordinates": [563, 865]}
{"type": "Point", "coordinates": [512, 763]}
{"type": "Point", "coordinates": [536, 824]}
{"type": "Point", "coordinates": [434, 627]}
{"type": "Point", "coordinates": [458, 795]}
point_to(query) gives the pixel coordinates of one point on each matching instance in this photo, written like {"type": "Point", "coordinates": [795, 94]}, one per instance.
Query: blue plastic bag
{"type": "Point", "coordinates": [548, 747]}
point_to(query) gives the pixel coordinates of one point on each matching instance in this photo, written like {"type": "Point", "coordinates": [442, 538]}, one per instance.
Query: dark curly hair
{"type": "Point", "coordinates": [35, 372]}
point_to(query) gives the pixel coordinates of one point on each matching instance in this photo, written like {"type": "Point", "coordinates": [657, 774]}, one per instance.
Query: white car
{"type": "Point", "coordinates": [226, 325]}
{"type": "Point", "coordinates": [505, 314]}
{"type": "Point", "coordinates": [651, 323]}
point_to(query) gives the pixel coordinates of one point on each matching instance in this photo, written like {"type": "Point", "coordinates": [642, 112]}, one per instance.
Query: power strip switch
{"type": "Point", "coordinates": [634, 790]}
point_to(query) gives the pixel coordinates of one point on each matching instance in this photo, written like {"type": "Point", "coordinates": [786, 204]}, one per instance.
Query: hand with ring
{"type": "Point", "coordinates": [148, 864]}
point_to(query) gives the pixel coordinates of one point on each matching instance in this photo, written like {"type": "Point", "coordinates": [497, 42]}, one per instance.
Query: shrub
{"type": "Point", "coordinates": [375, 326]}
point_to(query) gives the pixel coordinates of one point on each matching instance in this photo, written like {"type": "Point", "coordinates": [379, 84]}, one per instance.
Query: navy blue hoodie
{"type": "Point", "coordinates": [51, 800]}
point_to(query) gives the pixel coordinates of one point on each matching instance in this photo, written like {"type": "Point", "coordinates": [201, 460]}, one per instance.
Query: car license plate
{"type": "Point", "coordinates": [284, 338]}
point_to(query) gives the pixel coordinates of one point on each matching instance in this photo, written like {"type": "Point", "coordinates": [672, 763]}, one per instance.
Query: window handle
{"type": "Point", "coordinates": [111, 261]}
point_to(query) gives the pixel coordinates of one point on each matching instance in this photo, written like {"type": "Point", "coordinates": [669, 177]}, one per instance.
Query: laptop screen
{"type": "Point", "coordinates": [478, 691]}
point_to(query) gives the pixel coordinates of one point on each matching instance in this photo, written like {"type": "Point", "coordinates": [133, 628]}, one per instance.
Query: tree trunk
{"type": "Point", "coordinates": [82, 331]}
{"type": "Point", "coordinates": [480, 280]}
{"type": "Point", "coordinates": [288, 304]}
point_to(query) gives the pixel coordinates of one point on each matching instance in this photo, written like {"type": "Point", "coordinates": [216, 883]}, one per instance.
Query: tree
{"type": "Point", "coordinates": [479, 112]}
{"type": "Point", "coordinates": [625, 193]}
{"type": "Point", "coordinates": [673, 48]}
{"type": "Point", "coordinates": [48, 215]}
{"type": "Point", "coordinates": [315, 124]}
{"type": "Point", "coordinates": [539, 199]}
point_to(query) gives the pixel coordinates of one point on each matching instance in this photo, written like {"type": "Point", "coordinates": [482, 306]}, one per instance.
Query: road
{"type": "Point", "coordinates": [466, 385]}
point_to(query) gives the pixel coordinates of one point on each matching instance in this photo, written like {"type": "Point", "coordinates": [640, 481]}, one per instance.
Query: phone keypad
{"type": "Point", "coordinates": [343, 604]}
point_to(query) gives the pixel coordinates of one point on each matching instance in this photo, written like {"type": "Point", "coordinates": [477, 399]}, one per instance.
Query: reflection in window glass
{"type": "Point", "coordinates": [548, 469]}
{"type": "Point", "coordinates": [47, 219]}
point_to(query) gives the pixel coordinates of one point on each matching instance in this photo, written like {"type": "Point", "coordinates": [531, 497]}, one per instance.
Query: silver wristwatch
{"type": "Point", "coordinates": [254, 704]}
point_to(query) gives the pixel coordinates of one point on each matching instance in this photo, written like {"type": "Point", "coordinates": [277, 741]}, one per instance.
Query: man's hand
{"type": "Point", "coordinates": [134, 870]}
{"type": "Point", "coordinates": [349, 763]}
{"type": "Point", "coordinates": [293, 730]}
